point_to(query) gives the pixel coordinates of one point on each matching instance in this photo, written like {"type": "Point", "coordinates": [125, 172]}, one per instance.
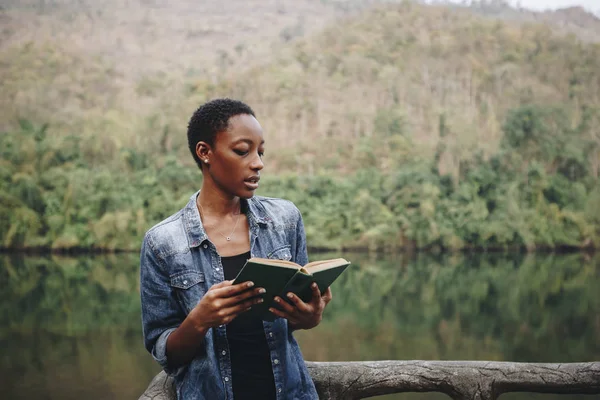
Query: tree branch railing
{"type": "Point", "coordinates": [461, 380]}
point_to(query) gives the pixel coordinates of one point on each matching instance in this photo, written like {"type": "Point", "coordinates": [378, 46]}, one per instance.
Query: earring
{"type": "Point", "coordinates": [206, 161]}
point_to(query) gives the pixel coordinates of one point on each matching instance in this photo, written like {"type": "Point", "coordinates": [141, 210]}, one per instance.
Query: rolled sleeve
{"type": "Point", "coordinates": [159, 351]}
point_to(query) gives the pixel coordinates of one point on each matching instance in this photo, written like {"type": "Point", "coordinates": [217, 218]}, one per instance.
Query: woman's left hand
{"type": "Point", "coordinates": [301, 315]}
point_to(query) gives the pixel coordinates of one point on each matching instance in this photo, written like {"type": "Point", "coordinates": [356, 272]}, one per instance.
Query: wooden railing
{"type": "Point", "coordinates": [461, 380]}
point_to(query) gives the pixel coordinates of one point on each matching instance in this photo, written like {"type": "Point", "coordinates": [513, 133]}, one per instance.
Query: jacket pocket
{"type": "Point", "coordinates": [186, 279]}
{"type": "Point", "coordinates": [281, 253]}
{"type": "Point", "coordinates": [189, 287]}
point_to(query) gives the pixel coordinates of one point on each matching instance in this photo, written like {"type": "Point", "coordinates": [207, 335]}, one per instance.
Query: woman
{"type": "Point", "coordinates": [193, 316]}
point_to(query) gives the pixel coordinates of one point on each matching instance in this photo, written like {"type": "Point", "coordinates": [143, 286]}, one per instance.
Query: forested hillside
{"type": "Point", "coordinates": [396, 126]}
{"type": "Point", "coordinates": [442, 78]}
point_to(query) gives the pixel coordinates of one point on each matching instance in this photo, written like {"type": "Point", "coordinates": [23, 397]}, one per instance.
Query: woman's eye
{"type": "Point", "coordinates": [240, 152]}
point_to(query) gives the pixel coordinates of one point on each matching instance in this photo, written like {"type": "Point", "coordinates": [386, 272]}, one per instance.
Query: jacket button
{"type": "Point", "coordinates": [275, 361]}
{"type": "Point", "coordinates": [226, 379]}
{"type": "Point", "coordinates": [205, 246]}
{"type": "Point", "coordinates": [223, 352]}
{"type": "Point", "coordinates": [185, 282]}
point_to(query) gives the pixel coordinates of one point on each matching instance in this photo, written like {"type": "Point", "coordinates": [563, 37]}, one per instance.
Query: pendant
{"type": "Point", "coordinates": [228, 238]}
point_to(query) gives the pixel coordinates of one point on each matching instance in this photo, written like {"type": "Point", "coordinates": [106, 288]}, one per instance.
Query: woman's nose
{"type": "Point", "coordinates": [257, 163]}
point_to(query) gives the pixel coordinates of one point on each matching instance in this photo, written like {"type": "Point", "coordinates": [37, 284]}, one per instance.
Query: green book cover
{"type": "Point", "coordinates": [323, 275]}
{"type": "Point", "coordinates": [279, 277]}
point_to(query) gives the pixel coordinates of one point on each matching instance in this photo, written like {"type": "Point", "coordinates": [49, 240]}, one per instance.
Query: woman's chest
{"type": "Point", "coordinates": [193, 272]}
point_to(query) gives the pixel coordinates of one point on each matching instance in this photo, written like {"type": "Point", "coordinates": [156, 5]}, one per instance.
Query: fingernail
{"type": "Point", "coordinates": [262, 291]}
{"type": "Point", "coordinates": [289, 295]}
{"type": "Point", "coordinates": [259, 300]}
{"type": "Point", "coordinates": [250, 284]}
{"type": "Point", "coordinates": [277, 300]}
{"type": "Point", "coordinates": [314, 285]}
{"type": "Point", "coordinates": [270, 309]}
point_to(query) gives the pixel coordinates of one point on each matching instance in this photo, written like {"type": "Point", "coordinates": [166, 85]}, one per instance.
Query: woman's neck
{"type": "Point", "coordinates": [217, 204]}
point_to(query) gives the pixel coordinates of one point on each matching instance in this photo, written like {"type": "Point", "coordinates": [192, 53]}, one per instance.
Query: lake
{"type": "Point", "coordinates": [70, 328]}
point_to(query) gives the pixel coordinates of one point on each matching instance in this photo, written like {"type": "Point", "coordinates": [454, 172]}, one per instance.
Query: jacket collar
{"type": "Point", "coordinates": [254, 210]}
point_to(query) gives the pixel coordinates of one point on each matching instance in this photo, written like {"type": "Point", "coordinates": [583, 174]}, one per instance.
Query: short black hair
{"type": "Point", "coordinates": [212, 118]}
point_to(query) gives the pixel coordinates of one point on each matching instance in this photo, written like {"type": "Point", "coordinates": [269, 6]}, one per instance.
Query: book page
{"type": "Point", "coordinates": [277, 263]}
{"type": "Point", "coordinates": [316, 266]}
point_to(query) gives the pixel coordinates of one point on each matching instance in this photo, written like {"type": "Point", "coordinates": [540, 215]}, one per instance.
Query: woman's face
{"type": "Point", "coordinates": [235, 159]}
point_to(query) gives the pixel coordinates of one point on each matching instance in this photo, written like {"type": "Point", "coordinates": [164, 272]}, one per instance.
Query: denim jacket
{"type": "Point", "coordinates": [179, 264]}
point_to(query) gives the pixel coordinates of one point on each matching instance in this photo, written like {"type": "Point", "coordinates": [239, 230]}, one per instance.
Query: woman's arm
{"type": "Point", "coordinates": [172, 337]}
{"type": "Point", "coordinates": [219, 306]}
{"type": "Point", "coordinates": [161, 314]}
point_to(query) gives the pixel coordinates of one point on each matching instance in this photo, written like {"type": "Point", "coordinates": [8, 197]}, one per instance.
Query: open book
{"type": "Point", "coordinates": [279, 277]}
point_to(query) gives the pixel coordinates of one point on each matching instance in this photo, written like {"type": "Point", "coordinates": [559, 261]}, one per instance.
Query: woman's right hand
{"type": "Point", "coordinates": [223, 302]}
{"type": "Point", "coordinates": [220, 305]}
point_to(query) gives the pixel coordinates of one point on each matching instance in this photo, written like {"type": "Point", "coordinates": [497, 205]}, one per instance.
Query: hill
{"type": "Point", "coordinates": [96, 67]}
{"type": "Point", "coordinates": [575, 20]}
{"type": "Point", "coordinates": [123, 72]}
{"type": "Point", "coordinates": [396, 126]}
{"type": "Point", "coordinates": [110, 67]}
{"type": "Point", "coordinates": [153, 36]}
{"type": "Point", "coordinates": [412, 75]}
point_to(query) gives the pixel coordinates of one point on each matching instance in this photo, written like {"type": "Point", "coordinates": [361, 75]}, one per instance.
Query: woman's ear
{"type": "Point", "coordinates": [203, 152]}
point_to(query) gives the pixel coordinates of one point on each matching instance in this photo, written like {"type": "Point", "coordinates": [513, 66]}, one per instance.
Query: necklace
{"type": "Point", "coordinates": [227, 237]}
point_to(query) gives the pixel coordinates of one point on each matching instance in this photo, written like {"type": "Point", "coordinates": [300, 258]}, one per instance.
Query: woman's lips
{"type": "Point", "coordinates": [252, 183]}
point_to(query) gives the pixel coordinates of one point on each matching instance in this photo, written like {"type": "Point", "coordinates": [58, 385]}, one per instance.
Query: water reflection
{"type": "Point", "coordinates": [70, 327]}
{"type": "Point", "coordinates": [542, 308]}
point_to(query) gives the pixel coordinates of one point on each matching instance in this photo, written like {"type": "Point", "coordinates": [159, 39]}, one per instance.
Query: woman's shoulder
{"type": "Point", "coordinates": [178, 224]}
{"type": "Point", "coordinates": [172, 221]}
{"type": "Point", "coordinates": [273, 208]}
{"type": "Point", "coordinates": [170, 233]}
{"type": "Point", "coordinates": [273, 202]}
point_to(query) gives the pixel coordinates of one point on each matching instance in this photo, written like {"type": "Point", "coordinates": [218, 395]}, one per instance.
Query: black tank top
{"type": "Point", "coordinates": [252, 375]}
